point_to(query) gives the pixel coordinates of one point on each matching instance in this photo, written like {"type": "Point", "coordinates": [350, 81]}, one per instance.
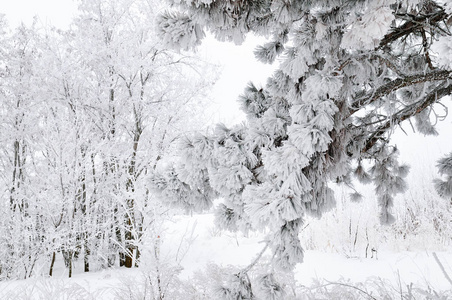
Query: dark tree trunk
{"type": "Point", "coordinates": [137, 258]}
{"type": "Point", "coordinates": [86, 255]}
{"type": "Point", "coordinates": [67, 256]}
{"type": "Point", "coordinates": [129, 245]}
{"type": "Point", "coordinates": [128, 262]}
{"type": "Point", "coordinates": [117, 231]}
{"type": "Point", "coordinates": [85, 208]}
{"type": "Point", "coordinates": [52, 263]}
{"type": "Point", "coordinates": [70, 266]}
{"type": "Point", "coordinates": [122, 259]}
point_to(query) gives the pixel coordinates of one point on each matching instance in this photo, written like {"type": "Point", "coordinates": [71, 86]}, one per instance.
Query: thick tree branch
{"type": "Point", "coordinates": [395, 85]}
{"type": "Point", "coordinates": [406, 113]}
{"type": "Point", "coordinates": [416, 23]}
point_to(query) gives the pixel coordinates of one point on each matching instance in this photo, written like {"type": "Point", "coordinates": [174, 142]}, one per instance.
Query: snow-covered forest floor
{"type": "Point", "coordinates": [200, 248]}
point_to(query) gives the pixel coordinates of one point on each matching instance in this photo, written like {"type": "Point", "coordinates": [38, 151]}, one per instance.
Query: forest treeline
{"type": "Point", "coordinates": [86, 114]}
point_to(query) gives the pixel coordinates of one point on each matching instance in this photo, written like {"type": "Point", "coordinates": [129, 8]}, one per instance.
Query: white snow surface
{"type": "Point", "coordinates": [200, 244]}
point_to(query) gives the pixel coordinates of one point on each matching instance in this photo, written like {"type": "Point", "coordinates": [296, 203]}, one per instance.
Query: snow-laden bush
{"type": "Point", "coordinates": [423, 221]}
{"type": "Point", "coordinates": [45, 288]}
{"type": "Point", "coordinates": [444, 187]}
{"type": "Point", "coordinates": [372, 288]}
{"type": "Point", "coordinates": [206, 284]}
{"type": "Point", "coordinates": [160, 265]}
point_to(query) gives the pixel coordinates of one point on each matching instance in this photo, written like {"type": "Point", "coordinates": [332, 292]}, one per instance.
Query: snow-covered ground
{"type": "Point", "coordinates": [194, 242]}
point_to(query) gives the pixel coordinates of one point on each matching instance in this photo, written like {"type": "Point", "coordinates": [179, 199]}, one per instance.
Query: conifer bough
{"type": "Point", "coordinates": [350, 72]}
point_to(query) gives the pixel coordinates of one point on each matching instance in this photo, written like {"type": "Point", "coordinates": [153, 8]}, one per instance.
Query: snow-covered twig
{"type": "Point", "coordinates": [256, 260]}
{"type": "Point", "coordinates": [442, 267]}
{"type": "Point", "coordinates": [350, 286]}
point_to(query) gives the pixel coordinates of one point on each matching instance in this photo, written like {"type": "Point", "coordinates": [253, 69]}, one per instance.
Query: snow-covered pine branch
{"type": "Point", "coordinates": [350, 73]}
{"type": "Point", "coordinates": [444, 186]}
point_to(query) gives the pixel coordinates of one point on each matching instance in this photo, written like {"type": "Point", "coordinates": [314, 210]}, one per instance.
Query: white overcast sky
{"type": "Point", "coordinates": [57, 12]}
{"type": "Point", "coordinates": [238, 63]}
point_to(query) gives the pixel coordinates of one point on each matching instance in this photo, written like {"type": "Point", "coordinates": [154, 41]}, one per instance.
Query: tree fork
{"type": "Point", "coordinates": [395, 85]}
{"type": "Point", "coordinates": [406, 113]}
{"type": "Point", "coordinates": [415, 23]}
